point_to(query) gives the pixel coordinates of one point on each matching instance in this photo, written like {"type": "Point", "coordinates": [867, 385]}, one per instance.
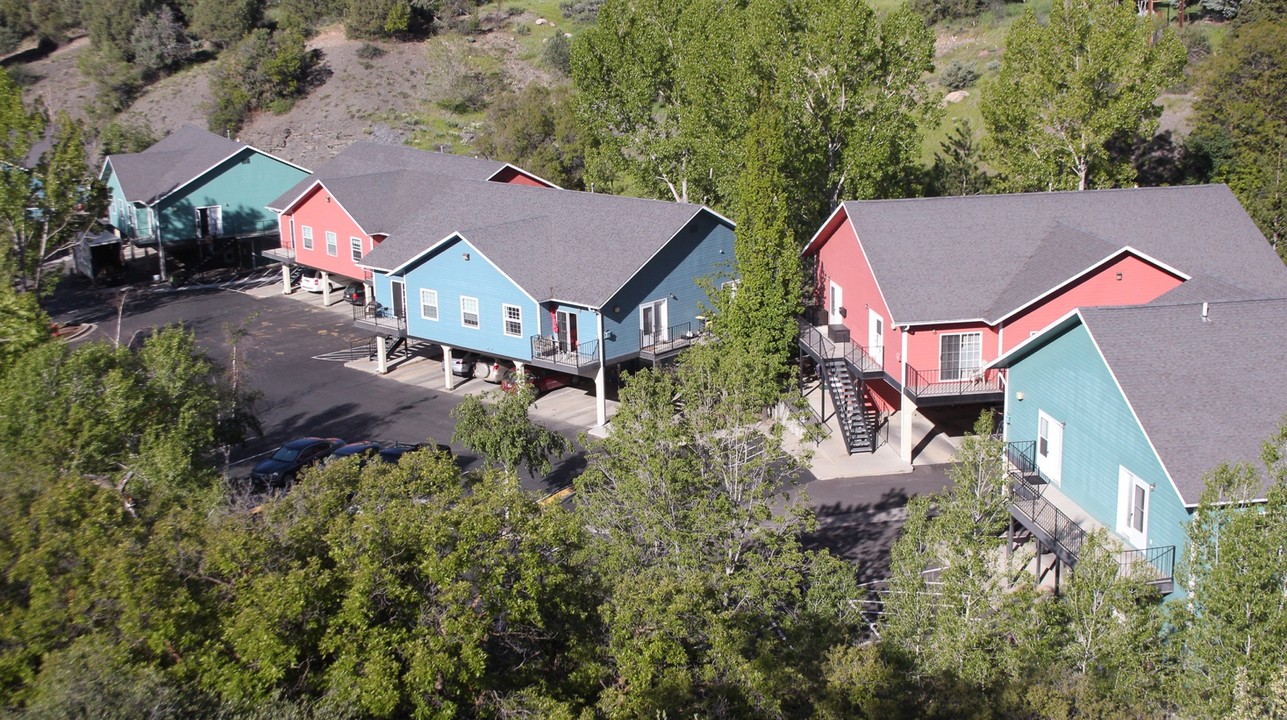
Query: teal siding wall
{"type": "Point", "coordinates": [702, 249]}
{"type": "Point", "coordinates": [114, 211]}
{"type": "Point", "coordinates": [452, 276]}
{"type": "Point", "coordinates": [241, 185]}
{"type": "Point", "coordinates": [1068, 379]}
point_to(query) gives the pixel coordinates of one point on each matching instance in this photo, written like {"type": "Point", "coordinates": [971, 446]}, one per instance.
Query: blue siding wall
{"type": "Point", "coordinates": [1068, 379]}
{"type": "Point", "coordinates": [702, 249]}
{"type": "Point", "coordinates": [452, 276]}
{"type": "Point", "coordinates": [242, 186]}
{"type": "Point", "coordinates": [587, 323]}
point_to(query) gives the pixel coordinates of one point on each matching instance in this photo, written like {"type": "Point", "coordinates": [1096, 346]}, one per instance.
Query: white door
{"type": "Point", "coordinates": [876, 336]}
{"type": "Point", "coordinates": [1050, 447]}
{"type": "Point", "coordinates": [652, 323]}
{"type": "Point", "coordinates": [566, 335]}
{"type": "Point", "coordinates": [833, 308]}
{"type": "Point", "coordinates": [1132, 508]}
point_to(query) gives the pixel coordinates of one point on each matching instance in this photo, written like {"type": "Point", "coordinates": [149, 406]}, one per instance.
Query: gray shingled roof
{"type": "Point", "coordinates": [983, 256]}
{"type": "Point", "coordinates": [172, 162]}
{"type": "Point", "coordinates": [368, 158]}
{"type": "Point", "coordinates": [1205, 392]}
{"type": "Point", "coordinates": [556, 244]}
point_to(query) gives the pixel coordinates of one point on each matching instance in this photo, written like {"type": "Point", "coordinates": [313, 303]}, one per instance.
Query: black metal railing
{"type": "Point", "coordinates": [551, 350]}
{"type": "Point", "coordinates": [1155, 565]}
{"type": "Point", "coordinates": [936, 383]}
{"type": "Point", "coordinates": [1058, 529]}
{"type": "Point", "coordinates": [863, 359]}
{"type": "Point", "coordinates": [1022, 456]}
{"type": "Point", "coordinates": [676, 337]}
{"type": "Point", "coordinates": [379, 317]}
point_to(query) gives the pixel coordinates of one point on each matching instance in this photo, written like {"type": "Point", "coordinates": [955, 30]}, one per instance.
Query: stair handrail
{"type": "Point", "coordinates": [1063, 531]}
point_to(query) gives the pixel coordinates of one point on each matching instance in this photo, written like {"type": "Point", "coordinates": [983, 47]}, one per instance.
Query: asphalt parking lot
{"type": "Point", "coordinates": [303, 395]}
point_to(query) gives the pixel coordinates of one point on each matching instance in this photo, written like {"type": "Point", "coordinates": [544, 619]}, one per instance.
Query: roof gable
{"type": "Point", "coordinates": [985, 256]}
{"type": "Point", "coordinates": [171, 163]}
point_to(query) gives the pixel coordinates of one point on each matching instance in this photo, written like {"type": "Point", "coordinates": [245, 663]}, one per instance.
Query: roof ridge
{"type": "Point", "coordinates": [1043, 193]}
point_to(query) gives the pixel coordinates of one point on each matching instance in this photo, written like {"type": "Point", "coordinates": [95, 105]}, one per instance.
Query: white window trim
{"type": "Point", "coordinates": [505, 320]}
{"type": "Point", "coordinates": [306, 234]}
{"type": "Point", "coordinates": [477, 315]}
{"type": "Point", "coordinates": [965, 375]}
{"type": "Point", "coordinates": [1127, 482]}
{"type": "Point", "coordinates": [424, 294]}
{"type": "Point", "coordinates": [356, 248]}
{"type": "Point", "coordinates": [332, 244]}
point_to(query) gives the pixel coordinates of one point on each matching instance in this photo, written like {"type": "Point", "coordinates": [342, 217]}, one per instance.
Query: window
{"type": "Point", "coordinates": [960, 356]}
{"type": "Point", "coordinates": [308, 237]}
{"type": "Point", "coordinates": [469, 311]}
{"type": "Point", "coordinates": [355, 244]}
{"type": "Point", "coordinates": [513, 320]}
{"type": "Point", "coordinates": [332, 244]}
{"type": "Point", "coordinates": [429, 304]}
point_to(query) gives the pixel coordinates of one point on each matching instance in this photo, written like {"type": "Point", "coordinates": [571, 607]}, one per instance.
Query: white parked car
{"type": "Point", "coordinates": [311, 281]}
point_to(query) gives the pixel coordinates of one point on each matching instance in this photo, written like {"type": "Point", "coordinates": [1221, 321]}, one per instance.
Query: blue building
{"type": "Point", "coordinates": [1114, 416]}
{"type": "Point", "coordinates": [566, 281]}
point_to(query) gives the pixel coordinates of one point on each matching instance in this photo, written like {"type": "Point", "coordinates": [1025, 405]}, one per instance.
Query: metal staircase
{"type": "Point", "coordinates": [856, 418]}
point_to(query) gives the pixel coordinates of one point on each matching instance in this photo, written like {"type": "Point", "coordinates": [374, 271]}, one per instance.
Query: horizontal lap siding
{"type": "Point", "coordinates": [1141, 282]}
{"type": "Point", "coordinates": [242, 186]}
{"type": "Point", "coordinates": [703, 249]}
{"type": "Point", "coordinates": [452, 276]}
{"type": "Point", "coordinates": [923, 344]}
{"type": "Point", "coordinates": [1069, 381]}
{"type": "Point", "coordinates": [841, 260]}
{"type": "Point", "coordinates": [323, 213]}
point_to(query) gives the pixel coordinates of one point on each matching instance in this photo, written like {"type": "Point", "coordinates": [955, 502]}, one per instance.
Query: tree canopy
{"type": "Point", "coordinates": [1092, 73]}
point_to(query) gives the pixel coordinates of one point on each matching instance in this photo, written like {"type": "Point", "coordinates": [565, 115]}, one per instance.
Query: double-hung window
{"type": "Point", "coordinates": [308, 237]}
{"type": "Point", "coordinates": [513, 320]}
{"type": "Point", "coordinates": [428, 304]}
{"type": "Point", "coordinates": [332, 244]}
{"type": "Point", "coordinates": [355, 245]}
{"type": "Point", "coordinates": [469, 311]}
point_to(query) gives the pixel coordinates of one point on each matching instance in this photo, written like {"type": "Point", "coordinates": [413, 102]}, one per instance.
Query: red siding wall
{"type": "Point", "coordinates": [1140, 282]}
{"type": "Point", "coordinates": [323, 213]}
{"type": "Point", "coordinates": [841, 260]}
{"type": "Point", "coordinates": [923, 343]}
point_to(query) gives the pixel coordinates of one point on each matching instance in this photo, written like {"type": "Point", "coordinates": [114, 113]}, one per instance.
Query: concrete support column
{"type": "Point", "coordinates": [381, 354]}
{"type": "Point", "coordinates": [600, 380]}
{"type": "Point", "coordinates": [449, 378]}
{"type": "Point", "coordinates": [285, 279]}
{"type": "Point", "coordinates": [905, 415]}
{"type": "Point", "coordinates": [326, 288]}
{"type": "Point", "coordinates": [368, 293]}
{"type": "Point", "coordinates": [520, 367]}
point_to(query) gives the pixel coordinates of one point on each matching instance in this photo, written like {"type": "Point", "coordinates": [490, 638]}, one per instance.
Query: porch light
{"type": "Point", "coordinates": [465, 256]}
{"type": "Point", "coordinates": [1018, 395]}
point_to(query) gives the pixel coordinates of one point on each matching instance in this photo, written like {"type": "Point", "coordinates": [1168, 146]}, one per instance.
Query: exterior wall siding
{"type": "Point", "coordinates": [510, 176]}
{"type": "Point", "coordinates": [241, 185]}
{"type": "Point", "coordinates": [924, 343]}
{"type": "Point", "coordinates": [840, 259]}
{"type": "Point", "coordinates": [447, 272]}
{"type": "Point", "coordinates": [1068, 380]}
{"type": "Point", "coordinates": [703, 249]}
{"type": "Point", "coordinates": [1141, 282]}
{"type": "Point", "coordinates": [324, 213]}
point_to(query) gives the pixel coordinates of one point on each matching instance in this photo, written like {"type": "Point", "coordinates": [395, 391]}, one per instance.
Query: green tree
{"type": "Point", "coordinates": [958, 168]}
{"type": "Point", "coordinates": [223, 23]}
{"type": "Point", "coordinates": [713, 605]}
{"type": "Point", "coordinates": [536, 129]}
{"type": "Point", "coordinates": [23, 326]}
{"type": "Point", "coordinates": [1242, 102]}
{"type": "Point", "coordinates": [127, 135]}
{"type": "Point", "coordinates": [1069, 86]}
{"type": "Point", "coordinates": [265, 71]}
{"type": "Point", "coordinates": [757, 317]}
{"type": "Point", "coordinates": [504, 434]}
{"type": "Point", "coordinates": [160, 41]}
{"type": "Point", "coordinates": [47, 208]}
{"type": "Point", "coordinates": [1233, 625]}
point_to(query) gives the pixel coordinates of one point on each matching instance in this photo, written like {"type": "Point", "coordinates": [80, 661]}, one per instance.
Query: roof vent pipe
{"type": "Point", "coordinates": [1205, 309]}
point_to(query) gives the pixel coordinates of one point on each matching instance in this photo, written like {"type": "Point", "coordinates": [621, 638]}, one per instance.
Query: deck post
{"type": "Point", "coordinates": [1009, 541]}
{"type": "Point", "coordinates": [1058, 564]}
{"type": "Point", "coordinates": [448, 377]}
{"type": "Point", "coordinates": [285, 279]}
{"type": "Point", "coordinates": [1037, 572]}
{"type": "Point", "coordinates": [601, 379]}
{"type": "Point", "coordinates": [906, 407]}
{"type": "Point", "coordinates": [381, 355]}
{"type": "Point", "coordinates": [326, 289]}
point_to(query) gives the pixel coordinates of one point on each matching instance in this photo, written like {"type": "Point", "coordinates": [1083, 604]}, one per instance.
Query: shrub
{"type": "Point", "coordinates": [582, 11]}
{"type": "Point", "coordinates": [265, 71]}
{"type": "Point", "coordinates": [958, 75]}
{"type": "Point", "coordinates": [558, 53]}
{"type": "Point", "coordinates": [369, 51]}
{"type": "Point", "coordinates": [159, 41]}
{"type": "Point", "coordinates": [471, 91]}
{"type": "Point", "coordinates": [9, 39]}
{"type": "Point", "coordinates": [127, 135]}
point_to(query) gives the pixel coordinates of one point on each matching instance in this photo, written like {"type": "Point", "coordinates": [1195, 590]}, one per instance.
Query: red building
{"type": "Point", "coordinates": [914, 298]}
{"type": "Point", "coordinates": [318, 233]}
